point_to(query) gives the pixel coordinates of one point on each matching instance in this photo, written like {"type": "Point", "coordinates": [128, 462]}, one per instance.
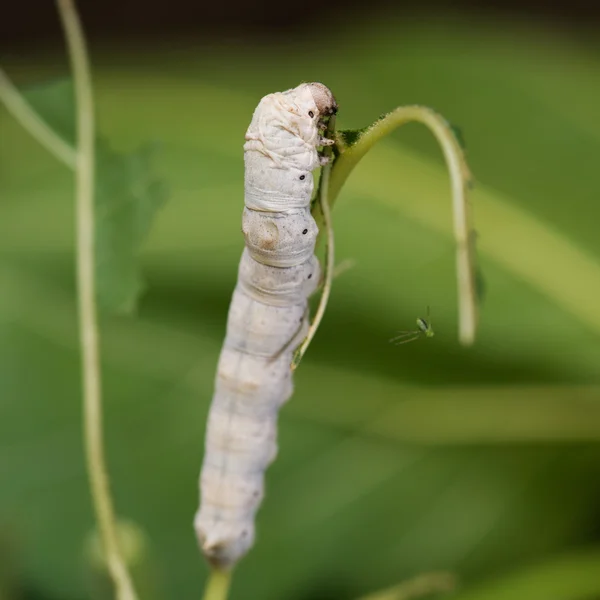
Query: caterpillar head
{"type": "Point", "coordinates": [324, 99]}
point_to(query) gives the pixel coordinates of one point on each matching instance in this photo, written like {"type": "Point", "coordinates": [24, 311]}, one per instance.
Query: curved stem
{"type": "Point", "coordinates": [33, 123]}
{"type": "Point", "coordinates": [323, 200]}
{"type": "Point", "coordinates": [218, 585]}
{"type": "Point", "coordinates": [88, 319]}
{"type": "Point", "coordinates": [421, 585]}
{"type": "Point", "coordinates": [460, 180]}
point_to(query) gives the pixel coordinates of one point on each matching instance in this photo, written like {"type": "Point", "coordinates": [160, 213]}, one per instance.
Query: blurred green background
{"type": "Point", "coordinates": [393, 460]}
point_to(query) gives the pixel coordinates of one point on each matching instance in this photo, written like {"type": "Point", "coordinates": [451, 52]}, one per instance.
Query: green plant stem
{"type": "Point", "coordinates": [460, 180]}
{"type": "Point", "coordinates": [33, 123]}
{"type": "Point", "coordinates": [324, 204]}
{"type": "Point", "coordinates": [218, 584]}
{"type": "Point", "coordinates": [88, 318]}
{"type": "Point", "coordinates": [422, 585]}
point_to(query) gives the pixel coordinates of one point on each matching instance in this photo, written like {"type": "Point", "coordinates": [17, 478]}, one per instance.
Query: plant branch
{"type": "Point", "coordinates": [460, 180]}
{"type": "Point", "coordinates": [422, 585]}
{"type": "Point", "coordinates": [324, 203]}
{"type": "Point", "coordinates": [33, 123]}
{"type": "Point", "coordinates": [88, 319]}
{"type": "Point", "coordinates": [218, 584]}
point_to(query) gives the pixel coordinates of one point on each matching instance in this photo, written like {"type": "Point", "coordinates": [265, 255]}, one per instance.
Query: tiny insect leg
{"type": "Point", "coordinates": [323, 141]}
{"type": "Point", "coordinates": [405, 336]}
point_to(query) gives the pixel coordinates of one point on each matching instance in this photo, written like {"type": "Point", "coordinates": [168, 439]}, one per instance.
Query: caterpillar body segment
{"type": "Point", "coordinates": [268, 316]}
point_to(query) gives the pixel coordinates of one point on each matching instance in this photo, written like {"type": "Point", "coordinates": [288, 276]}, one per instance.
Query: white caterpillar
{"type": "Point", "coordinates": [267, 317]}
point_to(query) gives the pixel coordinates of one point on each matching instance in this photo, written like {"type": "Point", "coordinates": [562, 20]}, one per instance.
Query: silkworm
{"type": "Point", "coordinates": [268, 315]}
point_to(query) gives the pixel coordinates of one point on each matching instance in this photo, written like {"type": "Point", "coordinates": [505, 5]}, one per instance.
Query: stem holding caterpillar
{"type": "Point", "coordinates": [323, 202]}
{"type": "Point", "coordinates": [349, 154]}
{"type": "Point", "coordinates": [219, 582]}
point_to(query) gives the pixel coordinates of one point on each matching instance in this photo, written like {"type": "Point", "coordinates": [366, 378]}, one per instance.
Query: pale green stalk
{"type": "Point", "coordinates": [88, 318]}
{"type": "Point", "coordinates": [460, 180]}
{"type": "Point", "coordinates": [422, 585]}
{"type": "Point", "coordinates": [33, 123]}
{"type": "Point", "coordinates": [218, 584]}
{"type": "Point", "coordinates": [324, 204]}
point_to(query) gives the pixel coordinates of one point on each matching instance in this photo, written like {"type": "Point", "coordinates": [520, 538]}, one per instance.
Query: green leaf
{"type": "Point", "coordinates": [348, 137]}
{"type": "Point", "coordinates": [128, 196]}
{"type": "Point", "coordinates": [54, 101]}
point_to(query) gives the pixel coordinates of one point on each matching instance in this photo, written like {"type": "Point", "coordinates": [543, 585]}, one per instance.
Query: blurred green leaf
{"type": "Point", "coordinates": [127, 199]}
{"type": "Point", "coordinates": [54, 102]}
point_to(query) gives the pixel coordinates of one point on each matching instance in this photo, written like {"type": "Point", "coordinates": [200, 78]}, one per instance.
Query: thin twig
{"type": "Point", "coordinates": [323, 199]}
{"type": "Point", "coordinates": [460, 178]}
{"type": "Point", "coordinates": [218, 584]}
{"type": "Point", "coordinates": [88, 319]}
{"type": "Point", "coordinates": [18, 107]}
{"type": "Point", "coordinates": [421, 585]}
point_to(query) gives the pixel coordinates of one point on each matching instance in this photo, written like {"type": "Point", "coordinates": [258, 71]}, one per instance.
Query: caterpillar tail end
{"type": "Point", "coordinates": [223, 543]}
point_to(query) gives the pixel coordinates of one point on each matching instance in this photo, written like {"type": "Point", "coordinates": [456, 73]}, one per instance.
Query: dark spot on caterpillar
{"type": "Point", "coordinates": [302, 177]}
{"type": "Point", "coordinates": [310, 275]}
{"type": "Point", "coordinates": [245, 533]}
{"type": "Point", "coordinates": [256, 493]}
{"type": "Point", "coordinates": [305, 231]}
{"type": "Point", "coordinates": [311, 114]}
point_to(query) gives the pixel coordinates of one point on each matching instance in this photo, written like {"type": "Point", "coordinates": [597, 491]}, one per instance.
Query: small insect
{"type": "Point", "coordinates": [424, 328]}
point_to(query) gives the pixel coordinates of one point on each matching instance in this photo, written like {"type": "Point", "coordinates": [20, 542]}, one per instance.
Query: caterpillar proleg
{"type": "Point", "coordinates": [268, 315]}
